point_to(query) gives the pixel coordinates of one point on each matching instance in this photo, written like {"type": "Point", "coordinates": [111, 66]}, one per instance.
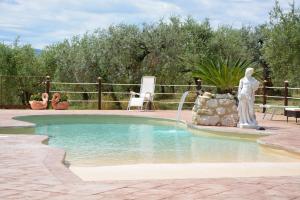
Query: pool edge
{"type": "Point", "coordinates": [241, 132]}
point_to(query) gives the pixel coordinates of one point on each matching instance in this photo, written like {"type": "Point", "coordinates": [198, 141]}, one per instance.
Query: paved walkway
{"type": "Point", "coordinates": [31, 170]}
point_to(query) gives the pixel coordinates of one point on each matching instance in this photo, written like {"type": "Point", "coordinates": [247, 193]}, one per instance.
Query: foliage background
{"type": "Point", "coordinates": [167, 49]}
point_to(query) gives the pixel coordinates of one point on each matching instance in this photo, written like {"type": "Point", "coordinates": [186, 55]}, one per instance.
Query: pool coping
{"type": "Point", "coordinates": [213, 131]}
{"type": "Point", "coordinates": [19, 187]}
{"type": "Point", "coordinates": [263, 136]}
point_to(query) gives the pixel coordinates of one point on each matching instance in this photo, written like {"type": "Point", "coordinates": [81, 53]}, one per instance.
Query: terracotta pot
{"type": "Point", "coordinates": [57, 105]}
{"type": "Point", "coordinates": [61, 105]}
{"type": "Point", "coordinates": [37, 105]}
{"type": "Point", "coordinates": [40, 105]}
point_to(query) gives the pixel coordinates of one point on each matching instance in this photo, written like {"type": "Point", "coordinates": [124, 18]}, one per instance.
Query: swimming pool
{"type": "Point", "coordinates": [95, 140]}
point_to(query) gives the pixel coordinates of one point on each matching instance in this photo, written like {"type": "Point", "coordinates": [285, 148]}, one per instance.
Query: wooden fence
{"type": "Point", "coordinates": [97, 90]}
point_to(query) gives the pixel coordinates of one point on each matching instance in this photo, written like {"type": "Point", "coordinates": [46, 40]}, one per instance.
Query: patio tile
{"type": "Point", "coordinates": [31, 170]}
{"type": "Point", "coordinates": [6, 193]}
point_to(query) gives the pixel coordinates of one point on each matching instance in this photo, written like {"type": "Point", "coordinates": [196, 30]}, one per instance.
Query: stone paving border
{"type": "Point", "coordinates": [32, 170]}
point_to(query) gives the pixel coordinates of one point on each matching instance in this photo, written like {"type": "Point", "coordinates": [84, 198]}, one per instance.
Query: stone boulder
{"type": "Point", "coordinates": [215, 110]}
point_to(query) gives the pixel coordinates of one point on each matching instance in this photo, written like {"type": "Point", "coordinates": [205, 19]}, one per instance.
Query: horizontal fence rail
{"type": "Point", "coordinates": [98, 91]}
{"type": "Point", "coordinates": [101, 92]}
{"type": "Point", "coordinates": [121, 84]}
{"type": "Point", "coordinates": [73, 92]}
{"type": "Point", "coordinates": [64, 83]}
{"type": "Point", "coordinates": [199, 86]}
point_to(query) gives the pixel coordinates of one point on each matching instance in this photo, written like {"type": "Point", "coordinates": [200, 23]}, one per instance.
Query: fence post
{"type": "Point", "coordinates": [264, 94]}
{"type": "Point", "coordinates": [48, 89]}
{"type": "Point", "coordinates": [99, 93]}
{"type": "Point", "coordinates": [1, 92]}
{"type": "Point", "coordinates": [286, 93]}
{"type": "Point", "coordinates": [199, 86]}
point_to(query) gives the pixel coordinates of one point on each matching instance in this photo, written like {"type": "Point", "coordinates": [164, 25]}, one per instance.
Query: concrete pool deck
{"type": "Point", "coordinates": [32, 170]}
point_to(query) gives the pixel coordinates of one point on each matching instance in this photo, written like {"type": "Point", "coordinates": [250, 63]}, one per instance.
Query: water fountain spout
{"type": "Point", "coordinates": [183, 97]}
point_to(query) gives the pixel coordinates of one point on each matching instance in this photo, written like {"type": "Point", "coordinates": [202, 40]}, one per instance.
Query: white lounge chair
{"type": "Point", "coordinates": [146, 93]}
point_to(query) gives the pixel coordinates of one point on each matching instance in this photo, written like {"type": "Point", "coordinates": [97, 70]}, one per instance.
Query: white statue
{"type": "Point", "coordinates": [247, 87]}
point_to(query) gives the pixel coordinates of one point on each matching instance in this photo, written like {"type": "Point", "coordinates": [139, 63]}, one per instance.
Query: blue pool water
{"type": "Point", "coordinates": [109, 140]}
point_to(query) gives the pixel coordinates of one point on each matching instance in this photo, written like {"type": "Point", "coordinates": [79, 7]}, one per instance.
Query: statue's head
{"type": "Point", "coordinates": [249, 72]}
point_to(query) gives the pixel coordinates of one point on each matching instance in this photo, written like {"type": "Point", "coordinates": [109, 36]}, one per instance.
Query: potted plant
{"type": "Point", "coordinates": [60, 101]}
{"type": "Point", "coordinates": [219, 109]}
{"type": "Point", "coordinates": [39, 101]}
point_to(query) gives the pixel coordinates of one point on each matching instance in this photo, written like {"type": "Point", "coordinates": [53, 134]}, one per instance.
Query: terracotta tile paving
{"type": "Point", "coordinates": [31, 170]}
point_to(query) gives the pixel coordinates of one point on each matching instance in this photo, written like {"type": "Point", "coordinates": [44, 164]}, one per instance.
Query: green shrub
{"type": "Point", "coordinates": [224, 74]}
{"type": "Point", "coordinates": [36, 97]}
{"type": "Point", "coordinates": [63, 97]}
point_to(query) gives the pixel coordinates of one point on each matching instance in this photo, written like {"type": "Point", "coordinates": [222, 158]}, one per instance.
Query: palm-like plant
{"type": "Point", "coordinates": [224, 74]}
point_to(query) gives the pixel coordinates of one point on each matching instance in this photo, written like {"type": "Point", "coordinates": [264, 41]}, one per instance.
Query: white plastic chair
{"type": "Point", "coordinates": [146, 93]}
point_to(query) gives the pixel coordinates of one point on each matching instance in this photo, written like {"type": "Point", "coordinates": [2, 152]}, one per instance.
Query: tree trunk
{"type": "Point", "coordinates": [162, 89]}
{"type": "Point", "coordinates": [173, 89]}
{"type": "Point", "coordinates": [85, 96]}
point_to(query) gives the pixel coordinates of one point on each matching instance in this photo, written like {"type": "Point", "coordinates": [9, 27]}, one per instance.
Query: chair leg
{"type": "Point", "coordinates": [273, 112]}
{"type": "Point", "coordinates": [153, 105]}
{"type": "Point", "coordinates": [146, 106]}
{"type": "Point", "coordinates": [265, 113]}
{"type": "Point", "coordinates": [128, 107]}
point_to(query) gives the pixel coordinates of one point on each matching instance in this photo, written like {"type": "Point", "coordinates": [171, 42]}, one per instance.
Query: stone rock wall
{"type": "Point", "coordinates": [218, 110]}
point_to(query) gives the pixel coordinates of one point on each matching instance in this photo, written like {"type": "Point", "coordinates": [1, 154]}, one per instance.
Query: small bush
{"type": "Point", "coordinates": [64, 97]}
{"type": "Point", "coordinates": [36, 97]}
